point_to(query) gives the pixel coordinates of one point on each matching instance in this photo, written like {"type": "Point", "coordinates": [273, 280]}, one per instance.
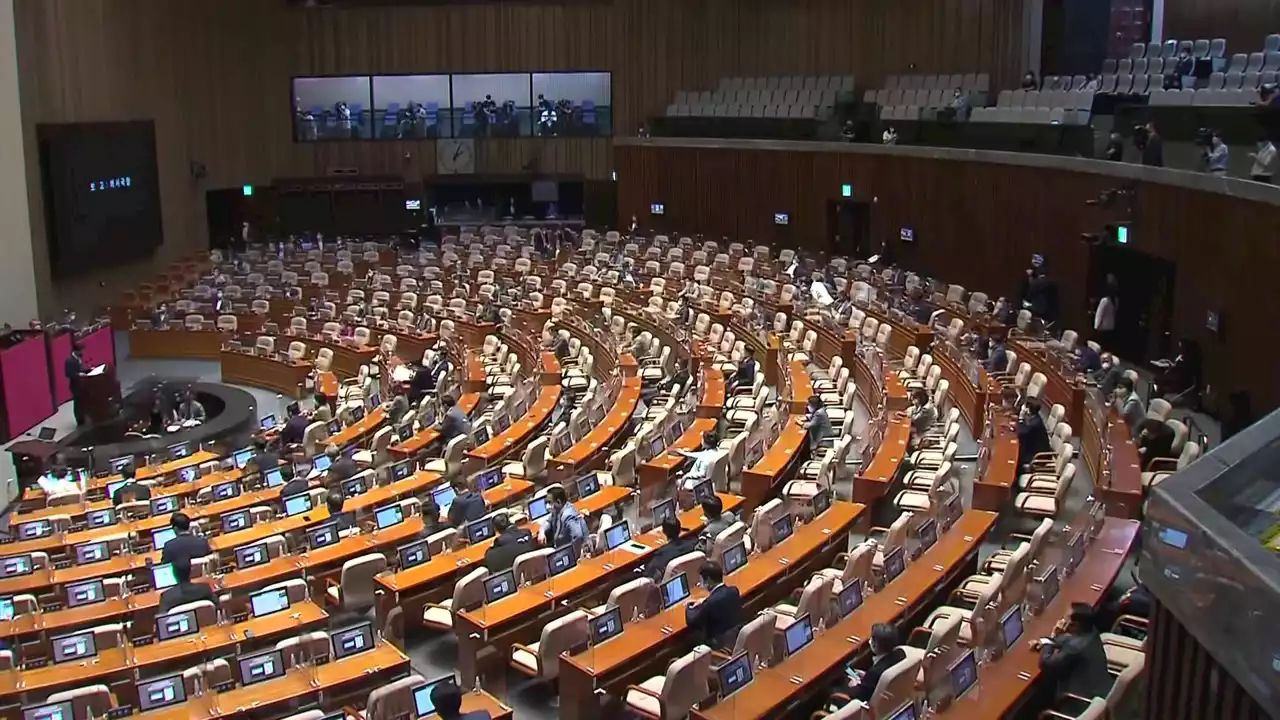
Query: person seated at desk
{"type": "Point", "coordinates": [565, 525]}
{"type": "Point", "coordinates": [1129, 404]}
{"type": "Point", "coordinates": [162, 416]}
{"type": "Point", "coordinates": [467, 504]}
{"type": "Point", "coordinates": [397, 405]}
{"type": "Point", "coordinates": [715, 619]}
{"type": "Point", "coordinates": [185, 591]}
{"type": "Point", "coordinates": [1075, 659]}
{"type": "Point", "coordinates": [190, 408]}
{"type": "Point", "coordinates": [431, 522]}
{"type": "Point", "coordinates": [447, 699]}
{"type": "Point", "coordinates": [185, 546]}
{"type": "Point", "coordinates": [334, 500]}
{"type": "Point", "coordinates": [1108, 374]}
{"type": "Point", "coordinates": [717, 522]}
{"type": "Point", "coordinates": [297, 485]}
{"type": "Point", "coordinates": [674, 547]}
{"type": "Point", "coordinates": [295, 428]}
{"type": "Point", "coordinates": [263, 458]}
{"type": "Point", "coordinates": [922, 414]}
{"type": "Point", "coordinates": [132, 490]}
{"type": "Point", "coordinates": [1032, 436]}
{"type": "Point", "coordinates": [745, 375]}
{"type": "Point", "coordinates": [1088, 360]}
{"type": "Point", "coordinates": [423, 382]}
{"type": "Point", "coordinates": [341, 467]}
{"type": "Point", "coordinates": [997, 361]}
{"type": "Point", "coordinates": [509, 543]}
{"type": "Point", "coordinates": [817, 422]}
{"type": "Point", "coordinates": [453, 422]}
{"type": "Point", "coordinates": [886, 652]}
{"type": "Point", "coordinates": [60, 480]}
{"type": "Point", "coordinates": [1155, 442]}
{"type": "Point", "coordinates": [321, 411]}
{"type": "Point", "coordinates": [681, 377]}
{"type": "Point", "coordinates": [703, 458]}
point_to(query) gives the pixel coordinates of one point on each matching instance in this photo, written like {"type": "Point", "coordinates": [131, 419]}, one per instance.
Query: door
{"type": "Point", "coordinates": [849, 225]}
{"type": "Point", "coordinates": [1144, 314]}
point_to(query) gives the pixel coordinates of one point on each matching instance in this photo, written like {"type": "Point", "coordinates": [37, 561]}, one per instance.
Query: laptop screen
{"type": "Point", "coordinates": [242, 458]}
{"type": "Point", "coordinates": [481, 435]}
{"type": "Point", "coordinates": [782, 528]}
{"type": "Point", "coordinates": [267, 422]}
{"type": "Point", "coordinates": [176, 624]}
{"type": "Point", "coordinates": [894, 564]}
{"type": "Point", "coordinates": [161, 537]}
{"type": "Point", "coordinates": [335, 427]}
{"type": "Point", "coordinates": [489, 479]}
{"type": "Point", "coordinates": [674, 590]}
{"type": "Point", "coordinates": [161, 692]}
{"type": "Point", "coordinates": [422, 705]}
{"type": "Point", "coordinates": [260, 666]}
{"type": "Point", "coordinates": [414, 554]}
{"type": "Point", "coordinates": [162, 576]}
{"type": "Point", "coordinates": [268, 602]}
{"type": "Point", "coordinates": [798, 634]}
{"type": "Point", "coordinates": [703, 491]}
{"type": "Point", "coordinates": [499, 586]}
{"type": "Point", "coordinates": [274, 477]}
{"type": "Point", "coordinates": [320, 463]}
{"type": "Point", "coordinates": [821, 502]}
{"type": "Point", "coordinates": [226, 491]}
{"type": "Point", "coordinates": [479, 530]}
{"type": "Point", "coordinates": [404, 432]}
{"type": "Point", "coordinates": [15, 565]}
{"type": "Point", "coordinates": [252, 555]}
{"type": "Point", "coordinates": [849, 599]}
{"type": "Point", "coordinates": [297, 504]}
{"type": "Point", "coordinates": [964, 673]}
{"type": "Point", "coordinates": [1048, 582]}
{"type": "Point", "coordinates": [50, 711]}
{"type": "Point", "coordinates": [734, 674]}
{"type": "Point", "coordinates": [232, 522]}
{"type": "Point", "coordinates": [353, 487]}
{"type": "Point", "coordinates": [444, 498]}
{"type": "Point", "coordinates": [322, 536]}
{"type": "Point", "coordinates": [617, 535]}
{"type": "Point", "coordinates": [1011, 624]}
{"type": "Point", "coordinates": [34, 529]}
{"type": "Point", "coordinates": [352, 640]}
{"type": "Point", "coordinates": [655, 447]}
{"type": "Point", "coordinates": [735, 556]}
{"type": "Point", "coordinates": [164, 505]}
{"type": "Point", "coordinates": [357, 414]}
{"type": "Point", "coordinates": [388, 516]}
{"type": "Point", "coordinates": [588, 486]}
{"type": "Point", "coordinates": [663, 511]}
{"type": "Point", "coordinates": [401, 470]}
{"type": "Point", "coordinates": [539, 508]}
{"type": "Point", "coordinates": [178, 451]}
{"type": "Point", "coordinates": [73, 647]}
{"type": "Point", "coordinates": [562, 559]}
{"type": "Point", "coordinates": [189, 474]}
{"type": "Point", "coordinates": [112, 487]}
{"type": "Point", "coordinates": [85, 593]}
{"type": "Point", "coordinates": [6, 608]}
{"type": "Point", "coordinates": [92, 552]}
{"type": "Point", "coordinates": [606, 625]}
{"type": "Point", "coordinates": [119, 464]}
{"type": "Point", "coordinates": [100, 518]}
{"type": "Point", "coordinates": [928, 534]}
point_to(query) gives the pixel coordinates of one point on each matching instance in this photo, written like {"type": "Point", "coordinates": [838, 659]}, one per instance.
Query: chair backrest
{"type": "Point", "coordinates": [357, 579]}
{"type": "Point", "coordinates": [686, 682]}
{"type": "Point", "coordinates": [686, 565]}
{"type": "Point", "coordinates": [857, 568]}
{"type": "Point", "coordinates": [532, 566]}
{"type": "Point", "coordinates": [394, 699]}
{"type": "Point", "coordinates": [563, 633]}
{"type": "Point", "coordinates": [756, 638]}
{"type": "Point", "coordinates": [469, 591]}
{"type": "Point", "coordinates": [206, 612]}
{"type": "Point", "coordinates": [896, 687]}
{"type": "Point", "coordinates": [816, 600]}
{"type": "Point", "coordinates": [1125, 680]}
{"type": "Point", "coordinates": [632, 597]}
{"type": "Point", "coordinates": [86, 701]}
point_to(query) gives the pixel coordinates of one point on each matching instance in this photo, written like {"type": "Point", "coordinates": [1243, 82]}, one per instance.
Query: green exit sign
{"type": "Point", "coordinates": [248, 190]}
{"type": "Point", "coordinates": [846, 190]}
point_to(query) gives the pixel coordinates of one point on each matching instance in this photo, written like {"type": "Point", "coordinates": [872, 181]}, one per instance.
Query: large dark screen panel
{"type": "Point", "coordinates": [102, 194]}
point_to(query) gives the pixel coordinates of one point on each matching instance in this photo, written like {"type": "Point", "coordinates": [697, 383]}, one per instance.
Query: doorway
{"type": "Point", "coordinates": [1144, 315]}
{"type": "Point", "coordinates": [849, 224]}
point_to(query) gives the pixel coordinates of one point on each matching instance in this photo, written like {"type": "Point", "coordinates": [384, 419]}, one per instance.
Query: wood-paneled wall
{"type": "Point", "coordinates": [1244, 23]}
{"type": "Point", "coordinates": [978, 223]}
{"type": "Point", "coordinates": [214, 75]}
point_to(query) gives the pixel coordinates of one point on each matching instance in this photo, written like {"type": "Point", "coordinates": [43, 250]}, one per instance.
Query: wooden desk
{"type": "Point", "coordinates": [472, 702]}
{"type": "Point", "coordinates": [766, 579]}
{"type": "Point", "coordinates": [1068, 391]}
{"type": "Point", "coordinates": [998, 481]}
{"type": "Point", "coordinates": [1002, 684]}
{"type": "Point", "coordinates": [268, 373]}
{"type": "Point", "coordinates": [357, 432]}
{"type": "Point", "coordinates": [969, 398]}
{"type": "Point", "coordinates": [876, 478]}
{"type": "Point", "coordinates": [520, 617]}
{"type": "Point", "coordinates": [367, 670]}
{"type": "Point", "coordinates": [521, 431]}
{"type": "Point", "coordinates": [300, 618]}
{"type": "Point", "coordinates": [421, 440]}
{"type": "Point", "coordinates": [712, 402]}
{"type": "Point", "coordinates": [773, 690]}
{"type": "Point", "coordinates": [585, 454]}
{"type": "Point", "coordinates": [433, 580]}
{"type": "Point", "coordinates": [1119, 484]}
{"type": "Point", "coordinates": [35, 496]}
{"type": "Point", "coordinates": [759, 481]}
{"type": "Point", "coordinates": [191, 344]}
{"type": "Point", "coordinates": [655, 475]}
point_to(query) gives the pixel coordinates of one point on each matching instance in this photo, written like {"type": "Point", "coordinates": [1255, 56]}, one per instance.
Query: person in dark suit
{"type": "Point", "coordinates": [1155, 441]}
{"type": "Point", "coordinates": [296, 486]}
{"type": "Point", "coordinates": [263, 459]}
{"type": "Point", "coordinates": [1075, 659]}
{"type": "Point", "coordinates": [185, 591]}
{"type": "Point", "coordinates": [746, 372]}
{"type": "Point", "coordinates": [1032, 436]}
{"type": "Point", "coordinates": [885, 653]}
{"type": "Point", "coordinates": [185, 546]}
{"type": "Point", "coordinates": [131, 490]}
{"type": "Point", "coordinates": [73, 368]}
{"type": "Point", "coordinates": [715, 619]}
{"type": "Point", "coordinates": [673, 548]}
{"type": "Point", "coordinates": [447, 699]}
{"type": "Point", "coordinates": [453, 422]}
{"type": "Point", "coordinates": [334, 500]}
{"type": "Point", "coordinates": [998, 356]}
{"type": "Point", "coordinates": [295, 427]}
{"type": "Point", "coordinates": [467, 504]}
{"type": "Point", "coordinates": [431, 523]}
{"type": "Point", "coordinates": [509, 543]}
{"type": "Point", "coordinates": [341, 467]}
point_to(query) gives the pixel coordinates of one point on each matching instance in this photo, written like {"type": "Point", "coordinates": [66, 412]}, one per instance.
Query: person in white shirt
{"type": "Point", "coordinates": [818, 291]}
{"type": "Point", "coordinates": [60, 480]}
{"type": "Point", "coordinates": [1104, 316]}
{"type": "Point", "coordinates": [1263, 160]}
{"type": "Point", "coordinates": [703, 459]}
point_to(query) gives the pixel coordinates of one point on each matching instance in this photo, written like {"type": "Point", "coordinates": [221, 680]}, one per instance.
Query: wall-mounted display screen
{"type": "Point", "coordinates": [411, 107]}
{"type": "Point", "coordinates": [332, 108]}
{"type": "Point", "coordinates": [425, 107]}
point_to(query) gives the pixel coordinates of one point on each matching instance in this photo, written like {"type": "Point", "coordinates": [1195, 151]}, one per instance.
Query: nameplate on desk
{"type": "Point", "coordinates": [783, 561]}
{"type": "Point", "coordinates": [826, 531]}
{"type": "Point", "coordinates": [900, 600]}
{"type": "Point", "coordinates": [853, 639]}
{"type": "Point", "coordinates": [968, 538]}
{"type": "Point", "coordinates": [1095, 587]}
{"type": "Point", "coordinates": [796, 680]}
{"type": "Point", "coordinates": [1024, 676]}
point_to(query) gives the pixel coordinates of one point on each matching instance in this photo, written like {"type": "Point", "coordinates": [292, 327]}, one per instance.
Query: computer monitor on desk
{"type": "Point", "coordinates": [606, 625]}
{"type": "Point", "coordinates": [49, 711]}
{"type": "Point", "coordinates": [798, 635]}
{"type": "Point", "coordinates": [161, 692]}
{"type": "Point", "coordinates": [734, 675]}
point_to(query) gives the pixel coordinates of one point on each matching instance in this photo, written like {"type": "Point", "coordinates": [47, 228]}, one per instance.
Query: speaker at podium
{"type": "Point", "coordinates": [101, 394]}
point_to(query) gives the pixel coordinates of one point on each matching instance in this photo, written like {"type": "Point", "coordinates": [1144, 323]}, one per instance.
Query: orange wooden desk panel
{"type": "Point", "coordinates": [1120, 485]}
{"type": "Point", "coordinates": [655, 474]}
{"type": "Point", "coordinates": [422, 439]}
{"type": "Point", "coordinates": [370, 668]}
{"type": "Point", "coordinates": [159, 491]}
{"type": "Point", "coordinates": [521, 431]}
{"type": "Point", "coordinates": [810, 548]}
{"type": "Point", "coordinates": [550, 372]}
{"type": "Point", "coordinates": [1002, 684]}
{"type": "Point", "coordinates": [773, 689]}
{"type": "Point", "coordinates": [511, 616]}
{"type": "Point", "coordinates": [584, 454]}
{"type": "Point", "coordinates": [114, 660]}
{"type": "Point", "coordinates": [712, 402]}
{"type": "Point", "coordinates": [474, 376]}
{"type": "Point", "coordinates": [146, 471]}
{"type": "Point", "coordinates": [801, 386]}
{"type": "Point", "coordinates": [357, 432]}
{"type": "Point", "coordinates": [193, 344]}
{"type": "Point", "coordinates": [286, 378]}
{"type": "Point", "coordinates": [874, 480]}
{"type": "Point", "coordinates": [759, 480]}
{"type": "Point", "coordinates": [434, 579]}
{"type": "Point", "coordinates": [1069, 391]}
{"type": "Point", "coordinates": [995, 488]}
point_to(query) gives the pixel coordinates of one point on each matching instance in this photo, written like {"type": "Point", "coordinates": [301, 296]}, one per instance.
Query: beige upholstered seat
{"type": "Point", "coordinates": [542, 659]}
{"type": "Point", "coordinates": [671, 696]}
{"type": "Point", "coordinates": [468, 592]}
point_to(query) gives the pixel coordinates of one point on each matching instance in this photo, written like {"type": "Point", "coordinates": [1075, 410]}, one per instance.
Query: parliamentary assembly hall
{"type": "Point", "coordinates": [639, 359]}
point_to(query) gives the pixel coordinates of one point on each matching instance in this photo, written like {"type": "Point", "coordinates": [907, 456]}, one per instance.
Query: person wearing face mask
{"type": "Point", "coordinates": [1264, 161]}
{"type": "Point", "coordinates": [715, 619]}
{"type": "Point", "coordinates": [922, 414]}
{"type": "Point", "coordinates": [1129, 404]}
{"type": "Point", "coordinates": [1032, 436]}
{"type": "Point", "coordinates": [1108, 374]}
{"type": "Point", "coordinates": [886, 652]}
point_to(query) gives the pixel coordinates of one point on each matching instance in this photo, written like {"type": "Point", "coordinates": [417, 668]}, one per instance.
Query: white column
{"type": "Point", "coordinates": [1032, 35]}
{"type": "Point", "coordinates": [17, 271]}
{"type": "Point", "coordinates": [1157, 21]}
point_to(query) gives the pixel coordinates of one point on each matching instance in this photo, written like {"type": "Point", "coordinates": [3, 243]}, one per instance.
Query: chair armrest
{"type": "Point", "coordinates": [329, 583]}
{"type": "Point", "coordinates": [537, 660]}
{"type": "Point", "coordinates": [1040, 457]}
{"type": "Point", "coordinates": [919, 637]}
{"type": "Point", "coordinates": [1041, 488]}
{"type": "Point", "coordinates": [662, 705]}
{"type": "Point", "coordinates": [1134, 623]}
{"type": "Point", "coordinates": [1020, 537]}
{"type": "Point", "coordinates": [1162, 465]}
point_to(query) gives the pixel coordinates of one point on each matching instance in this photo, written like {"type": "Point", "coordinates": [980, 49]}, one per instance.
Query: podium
{"type": "Point", "coordinates": [101, 394]}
